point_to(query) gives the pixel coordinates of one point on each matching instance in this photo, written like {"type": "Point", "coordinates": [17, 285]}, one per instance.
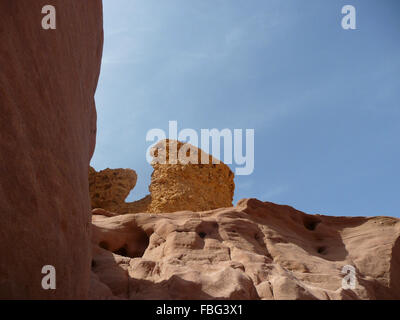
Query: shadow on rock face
{"type": "Point", "coordinates": [134, 247]}
{"type": "Point", "coordinates": [395, 269]}
{"type": "Point", "coordinates": [316, 235]}
{"type": "Point", "coordinates": [175, 288]}
{"type": "Point", "coordinates": [126, 239]}
{"type": "Point", "coordinates": [110, 274]}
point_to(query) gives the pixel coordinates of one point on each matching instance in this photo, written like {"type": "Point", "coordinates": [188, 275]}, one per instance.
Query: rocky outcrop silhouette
{"type": "Point", "coordinates": [177, 183]}
{"type": "Point", "coordinates": [109, 188]}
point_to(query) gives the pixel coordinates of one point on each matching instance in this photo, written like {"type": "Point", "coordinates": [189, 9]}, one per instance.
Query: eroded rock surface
{"type": "Point", "coordinates": [191, 184]}
{"type": "Point", "coordinates": [110, 187]}
{"type": "Point", "coordinates": [48, 127]}
{"type": "Point", "coordinates": [175, 186]}
{"type": "Point", "coordinates": [257, 250]}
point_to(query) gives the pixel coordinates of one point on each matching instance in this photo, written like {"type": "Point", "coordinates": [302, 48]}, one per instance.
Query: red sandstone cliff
{"type": "Point", "coordinates": [48, 127]}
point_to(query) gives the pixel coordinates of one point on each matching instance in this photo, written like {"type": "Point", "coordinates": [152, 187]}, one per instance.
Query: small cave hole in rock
{"type": "Point", "coordinates": [136, 246]}
{"type": "Point", "coordinates": [311, 223]}
{"type": "Point", "coordinates": [122, 251]}
{"type": "Point", "coordinates": [93, 264]}
{"type": "Point", "coordinates": [104, 245]}
{"type": "Point", "coordinates": [321, 250]}
{"type": "Point", "coordinates": [202, 235]}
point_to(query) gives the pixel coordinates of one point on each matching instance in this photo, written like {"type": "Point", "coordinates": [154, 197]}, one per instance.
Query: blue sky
{"type": "Point", "coordinates": [324, 102]}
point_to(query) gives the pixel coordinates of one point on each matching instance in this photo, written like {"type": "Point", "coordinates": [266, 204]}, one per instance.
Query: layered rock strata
{"type": "Point", "coordinates": [256, 250]}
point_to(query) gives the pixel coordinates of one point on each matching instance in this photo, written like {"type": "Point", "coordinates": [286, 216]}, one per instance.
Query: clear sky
{"type": "Point", "coordinates": [324, 102]}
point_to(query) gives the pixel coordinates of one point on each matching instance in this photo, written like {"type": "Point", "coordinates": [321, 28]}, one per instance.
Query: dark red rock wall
{"type": "Point", "coordinates": [48, 126]}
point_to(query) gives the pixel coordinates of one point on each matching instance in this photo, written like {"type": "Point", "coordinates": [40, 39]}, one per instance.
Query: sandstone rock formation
{"type": "Point", "coordinates": [109, 188]}
{"type": "Point", "coordinates": [183, 185]}
{"type": "Point", "coordinates": [193, 185]}
{"type": "Point", "coordinates": [48, 128]}
{"type": "Point", "coordinates": [257, 250]}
